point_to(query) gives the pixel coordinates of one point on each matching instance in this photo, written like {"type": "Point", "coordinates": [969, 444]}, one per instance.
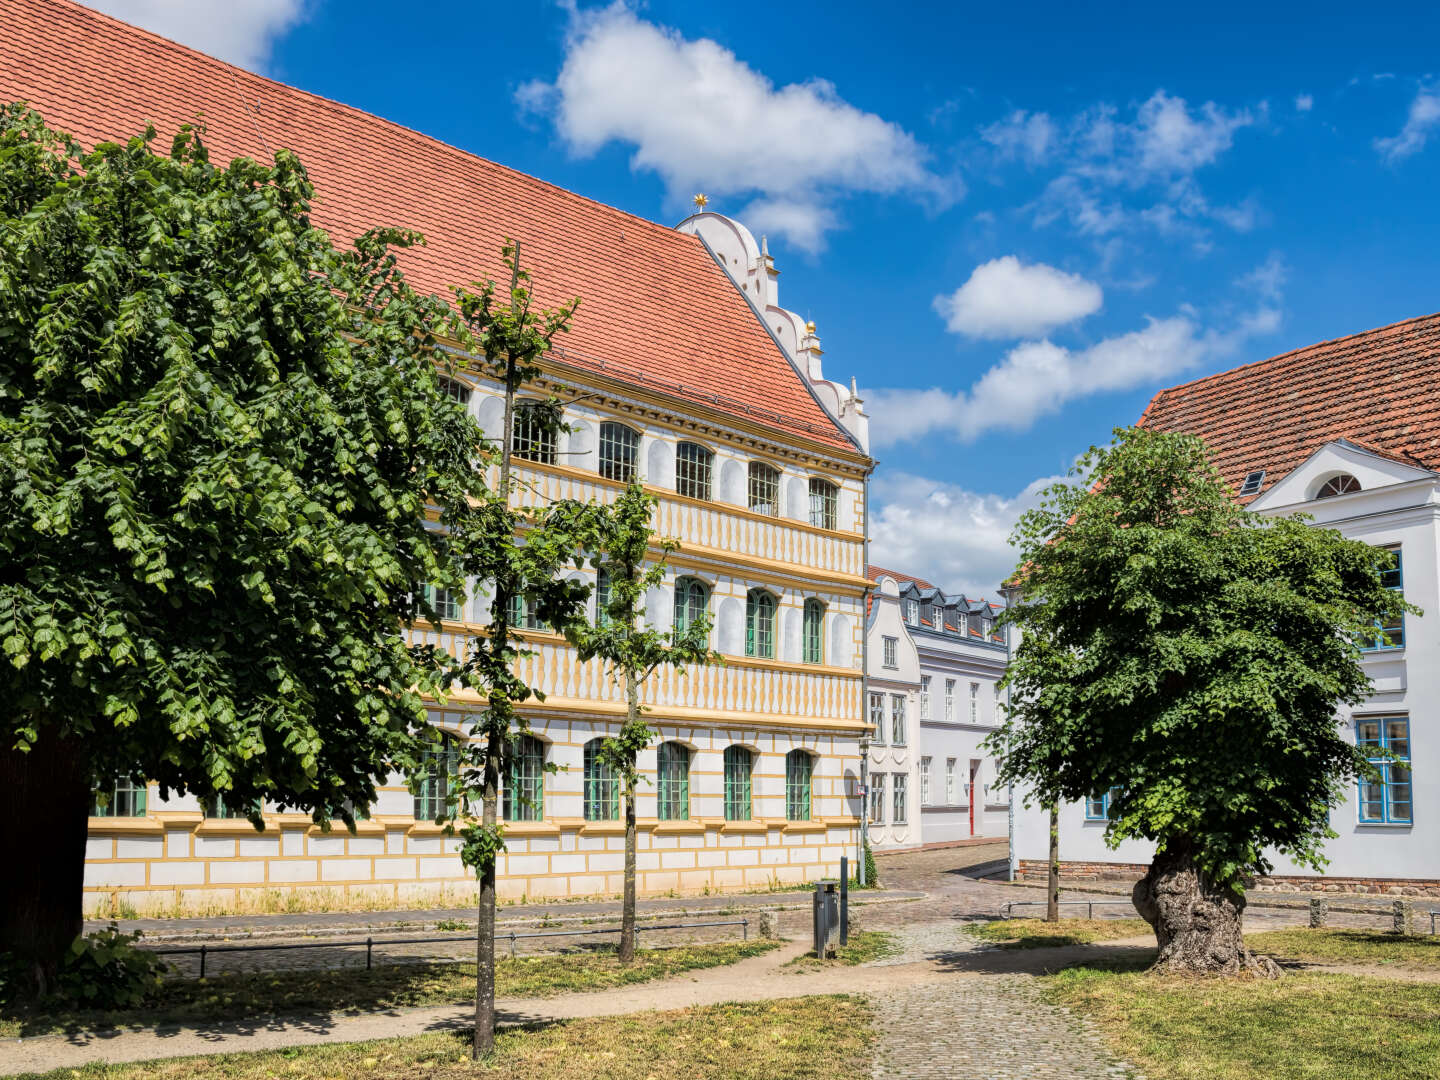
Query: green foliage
{"type": "Point", "coordinates": [103, 970]}
{"type": "Point", "coordinates": [872, 873]}
{"type": "Point", "coordinates": [1190, 655]}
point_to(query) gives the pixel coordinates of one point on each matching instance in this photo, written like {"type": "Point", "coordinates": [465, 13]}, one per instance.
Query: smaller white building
{"type": "Point", "coordinates": [933, 672]}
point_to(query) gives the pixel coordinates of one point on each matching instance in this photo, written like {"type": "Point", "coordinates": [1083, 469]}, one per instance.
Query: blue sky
{"type": "Point", "coordinates": [1012, 225]}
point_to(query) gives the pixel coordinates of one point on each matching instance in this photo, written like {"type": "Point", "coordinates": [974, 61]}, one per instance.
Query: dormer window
{"type": "Point", "coordinates": [1343, 484]}
{"type": "Point", "coordinates": [912, 612]}
{"type": "Point", "coordinates": [1252, 483]}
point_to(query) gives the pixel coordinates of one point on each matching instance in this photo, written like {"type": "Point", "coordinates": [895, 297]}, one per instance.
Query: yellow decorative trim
{"type": "Point", "coordinates": [338, 828]}
{"type": "Point", "coordinates": [847, 821]}
{"type": "Point", "coordinates": [178, 817]}
{"type": "Point", "coordinates": [604, 828]}
{"type": "Point", "coordinates": [679, 828]}
{"type": "Point", "coordinates": [234, 827]}
{"type": "Point", "coordinates": [676, 715]}
{"type": "Point", "coordinates": [805, 827]}
{"type": "Point", "coordinates": [744, 827]}
{"type": "Point", "coordinates": [110, 826]}
{"type": "Point", "coordinates": [531, 828]}
{"type": "Point", "coordinates": [426, 828]}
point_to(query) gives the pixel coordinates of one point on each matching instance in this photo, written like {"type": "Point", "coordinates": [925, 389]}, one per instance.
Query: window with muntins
{"type": "Point", "coordinates": [446, 602]}
{"type": "Point", "coordinates": [1343, 484]}
{"type": "Point", "coordinates": [877, 716]}
{"type": "Point", "coordinates": [672, 782]}
{"type": "Point", "coordinates": [799, 774]}
{"type": "Point", "coordinates": [1390, 634]}
{"type": "Point", "coordinates": [524, 792]}
{"type": "Point", "coordinates": [126, 799]}
{"type": "Point", "coordinates": [924, 781]}
{"type": "Point", "coordinates": [814, 632]}
{"type": "Point", "coordinates": [950, 780]}
{"type": "Point", "coordinates": [912, 611]}
{"type": "Point", "coordinates": [924, 697]}
{"type": "Point", "coordinates": [824, 503]}
{"type": "Point", "coordinates": [439, 769]}
{"type": "Point", "coordinates": [619, 451]}
{"type": "Point", "coordinates": [532, 439]}
{"type": "Point", "coordinates": [760, 624]}
{"type": "Point", "coordinates": [949, 699]}
{"type": "Point", "coordinates": [602, 786]}
{"type": "Point", "coordinates": [694, 466]}
{"type": "Point", "coordinates": [1097, 807]}
{"type": "Point", "coordinates": [1386, 799]}
{"type": "Point", "coordinates": [974, 703]}
{"type": "Point", "coordinates": [692, 600]}
{"type": "Point", "coordinates": [764, 489]}
{"type": "Point", "coordinates": [739, 763]}
{"type": "Point", "coordinates": [877, 798]}
{"type": "Point", "coordinates": [522, 616]}
{"type": "Point", "coordinates": [897, 719]}
{"type": "Point", "coordinates": [602, 597]}
{"type": "Point", "coordinates": [890, 652]}
{"type": "Point", "coordinates": [455, 390]}
{"type": "Point", "coordinates": [899, 798]}
{"type": "Point", "coordinates": [223, 810]}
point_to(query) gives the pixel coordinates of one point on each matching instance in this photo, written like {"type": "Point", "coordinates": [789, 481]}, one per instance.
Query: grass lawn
{"type": "Point", "coordinates": [1348, 947]}
{"type": "Point", "coordinates": [1038, 934]}
{"type": "Point", "coordinates": [864, 946]}
{"type": "Point", "coordinates": [795, 1039]}
{"type": "Point", "coordinates": [1300, 1027]}
{"type": "Point", "coordinates": [229, 997]}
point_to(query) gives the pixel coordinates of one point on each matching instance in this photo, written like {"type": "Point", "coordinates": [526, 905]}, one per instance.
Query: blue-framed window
{"type": "Point", "coordinates": [1097, 807]}
{"type": "Point", "coordinates": [1391, 634]}
{"type": "Point", "coordinates": [1386, 741]}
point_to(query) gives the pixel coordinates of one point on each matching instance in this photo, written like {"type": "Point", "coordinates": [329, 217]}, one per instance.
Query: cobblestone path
{"type": "Point", "coordinates": [979, 1026]}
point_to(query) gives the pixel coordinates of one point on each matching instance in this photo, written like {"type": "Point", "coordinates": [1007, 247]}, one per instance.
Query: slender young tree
{"type": "Point", "coordinates": [1189, 657]}
{"type": "Point", "coordinates": [521, 565]}
{"type": "Point", "coordinates": [630, 561]}
{"type": "Point", "coordinates": [221, 434]}
{"type": "Point", "coordinates": [1052, 869]}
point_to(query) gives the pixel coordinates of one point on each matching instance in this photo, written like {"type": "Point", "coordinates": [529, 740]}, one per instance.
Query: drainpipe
{"type": "Point", "coordinates": [1010, 786]}
{"type": "Point", "coordinates": [864, 742]}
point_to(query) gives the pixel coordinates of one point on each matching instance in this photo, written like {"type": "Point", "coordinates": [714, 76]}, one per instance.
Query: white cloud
{"type": "Point", "coordinates": [1005, 298]}
{"type": "Point", "coordinates": [956, 538]}
{"type": "Point", "coordinates": [1423, 118]}
{"type": "Point", "coordinates": [1169, 140]}
{"type": "Point", "coordinates": [1028, 136]}
{"type": "Point", "coordinates": [706, 121]}
{"type": "Point", "coordinates": [240, 31]}
{"type": "Point", "coordinates": [1304, 102]}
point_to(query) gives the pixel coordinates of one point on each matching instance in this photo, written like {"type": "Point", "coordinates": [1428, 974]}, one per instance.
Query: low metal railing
{"type": "Point", "coordinates": [1089, 905]}
{"type": "Point", "coordinates": [205, 951]}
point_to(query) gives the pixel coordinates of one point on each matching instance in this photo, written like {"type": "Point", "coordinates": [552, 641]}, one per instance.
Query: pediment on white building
{"type": "Point", "coordinates": [1341, 469]}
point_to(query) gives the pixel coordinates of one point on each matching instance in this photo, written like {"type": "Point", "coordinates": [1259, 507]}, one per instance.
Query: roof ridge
{"type": "Point", "coordinates": [1288, 355]}
{"type": "Point", "coordinates": [139, 31]}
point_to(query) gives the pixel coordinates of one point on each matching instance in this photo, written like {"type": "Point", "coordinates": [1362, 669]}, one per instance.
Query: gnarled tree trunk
{"type": "Point", "coordinates": [1197, 922]}
{"type": "Point", "coordinates": [45, 798]}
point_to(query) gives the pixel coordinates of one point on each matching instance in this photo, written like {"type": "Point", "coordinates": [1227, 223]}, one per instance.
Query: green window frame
{"type": "Point", "coordinates": [127, 798]}
{"type": "Point", "coordinates": [523, 797]}
{"type": "Point", "coordinates": [763, 489]}
{"type": "Point", "coordinates": [824, 504]}
{"type": "Point", "coordinates": [218, 809]}
{"type": "Point", "coordinates": [739, 768]}
{"type": "Point", "coordinates": [799, 781]}
{"type": "Point", "coordinates": [619, 451]}
{"type": "Point", "coordinates": [447, 603]}
{"type": "Point", "coordinates": [760, 624]}
{"type": "Point", "coordinates": [455, 390]}
{"type": "Point", "coordinates": [602, 786]}
{"type": "Point", "coordinates": [522, 616]}
{"type": "Point", "coordinates": [439, 771]}
{"type": "Point", "coordinates": [602, 597]}
{"type": "Point", "coordinates": [814, 632]}
{"type": "Point", "coordinates": [531, 437]}
{"type": "Point", "coordinates": [672, 782]}
{"type": "Point", "coordinates": [694, 466]}
{"type": "Point", "coordinates": [692, 602]}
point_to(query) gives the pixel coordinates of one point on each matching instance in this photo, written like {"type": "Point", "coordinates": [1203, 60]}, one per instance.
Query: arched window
{"type": "Point", "coordinates": [799, 771]}
{"type": "Point", "coordinates": [439, 769]}
{"type": "Point", "coordinates": [1343, 484]}
{"type": "Point", "coordinates": [814, 632]}
{"type": "Point", "coordinates": [619, 450]}
{"type": "Point", "coordinates": [602, 786]}
{"type": "Point", "coordinates": [760, 624]}
{"type": "Point", "coordinates": [692, 600]}
{"type": "Point", "coordinates": [739, 763]}
{"type": "Point", "coordinates": [532, 438]}
{"type": "Point", "coordinates": [764, 489]}
{"type": "Point", "coordinates": [693, 468]}
{"type": "Point", "coordinates": [672, 782]}
{"type": "Point", "coordinates": [524, 794]}
{"type": "Point", "coordinates": [824, 503]}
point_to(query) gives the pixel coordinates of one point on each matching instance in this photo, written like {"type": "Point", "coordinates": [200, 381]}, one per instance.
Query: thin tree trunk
{"type": "Point", "coordinates": [45, 798]}
{"type": "Point", "coordinates": [627, 910]}
{"type": "Point", "coordinates": [1198, 923]}
{"type": "Point", "coordinates": [1052, 882]}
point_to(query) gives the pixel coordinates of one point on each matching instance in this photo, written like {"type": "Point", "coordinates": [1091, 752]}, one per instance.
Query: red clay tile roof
{"type": "Point", "coordinates": [655, 309]}
{"type": "Point", "coordinates": [1379, 389]}
{"type": "Point", "coordinates": [875, 573]}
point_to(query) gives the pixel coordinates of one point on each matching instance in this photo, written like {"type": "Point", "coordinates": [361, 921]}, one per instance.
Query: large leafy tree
{"type": "Point", "coordinates": [219, 437]}
{"type": "Point", "coordinates": [631, 561]}
{"type": "Point", "coordinates": [1189, 657]}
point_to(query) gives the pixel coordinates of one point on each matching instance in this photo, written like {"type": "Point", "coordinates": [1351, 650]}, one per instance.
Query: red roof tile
{"type": "Point", "coordinates": [655, 309]}
{"type": "Point", "coordinates": [1379, 389]}
{"type": "Point", "coordinates": [875, 573]}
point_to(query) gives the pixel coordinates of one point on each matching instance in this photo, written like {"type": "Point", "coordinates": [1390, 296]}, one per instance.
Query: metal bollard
{"type": "Point", "coordinates": [1404, 917]}
{"type": "Point", "coordinates": [744, 929]}
{"type": "Point", "coordinates": [512, 944]}
{"type": "Point", "coordinates": [844, 900]}
{"type": "Point", "coordinates": [1319, 912]}
{"type": "Point", "coordinates": [826, 917]}
{"type": "Point", "coordinates": [769, 924]}
{"type": "Point", "coordinates": [202, 961]}
{"type": "Point", "coordinates": [369, 946]}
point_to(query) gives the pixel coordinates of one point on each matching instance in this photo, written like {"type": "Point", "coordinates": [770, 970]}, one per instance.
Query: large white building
{"type": "Point", "coordinates": [934, 664]}
{"type": "Point", "coordinates": [1348, 432]}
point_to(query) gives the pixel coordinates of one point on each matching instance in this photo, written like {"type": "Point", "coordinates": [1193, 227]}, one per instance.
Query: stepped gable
{"type": "Point", "coordinates": [1379, 389]}
{"type": "Point", "coordinates": [656, 310]}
